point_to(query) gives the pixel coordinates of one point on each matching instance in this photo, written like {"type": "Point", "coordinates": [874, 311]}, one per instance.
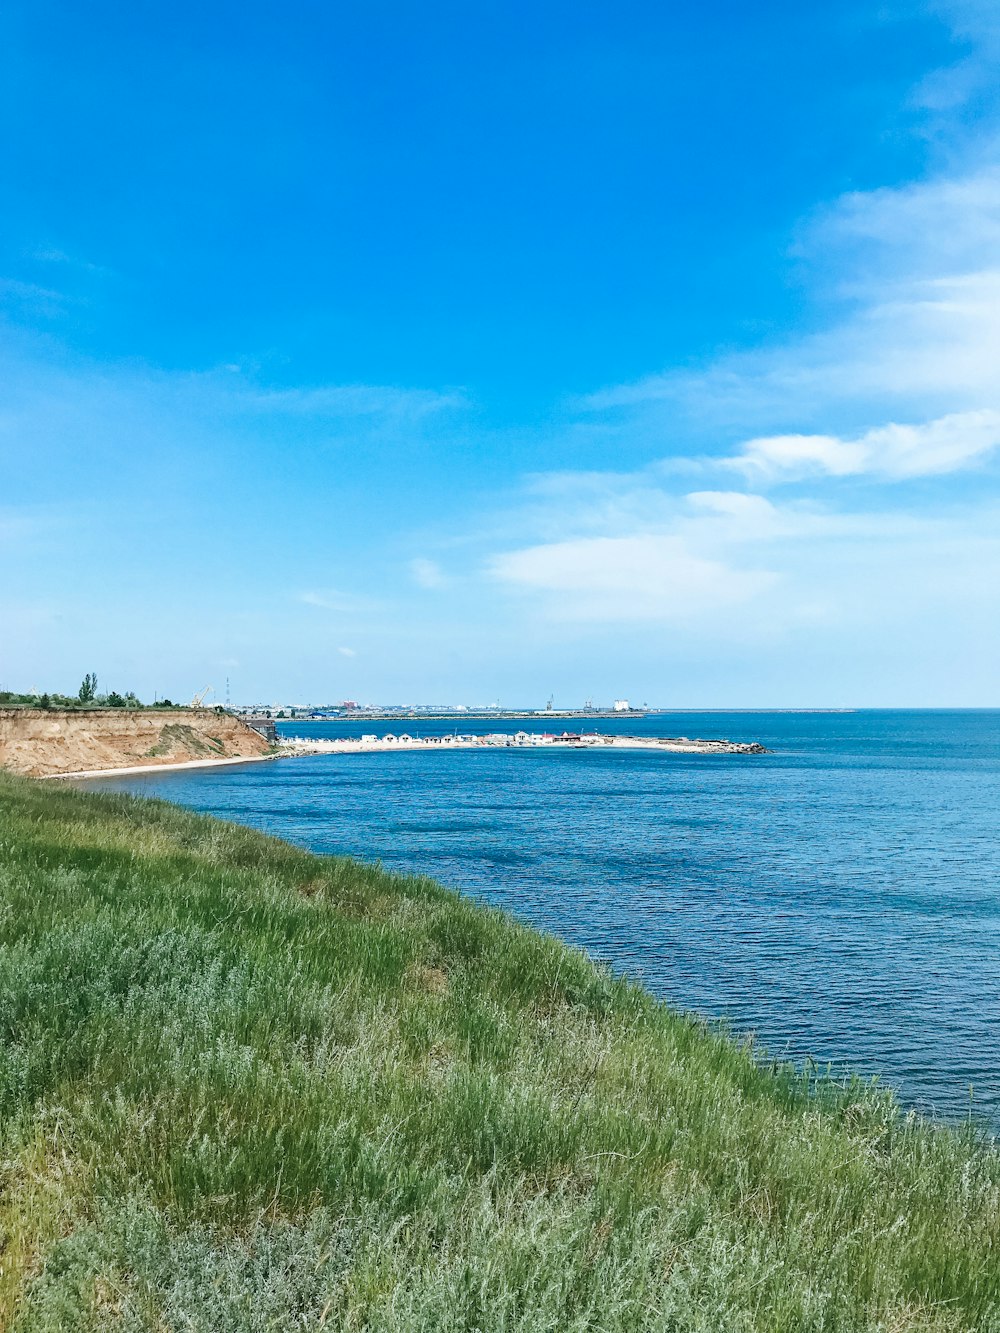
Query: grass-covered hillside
{"type": "Point", "coordinates": [245, 1088]}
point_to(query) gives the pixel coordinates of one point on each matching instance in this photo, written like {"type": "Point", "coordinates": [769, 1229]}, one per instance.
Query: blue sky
{"type": "Point", "coordinates": [461, 353]}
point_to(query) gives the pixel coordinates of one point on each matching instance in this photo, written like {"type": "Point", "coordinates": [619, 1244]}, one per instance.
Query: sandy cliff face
{"type": "Point", "coordinates": [40, 742]}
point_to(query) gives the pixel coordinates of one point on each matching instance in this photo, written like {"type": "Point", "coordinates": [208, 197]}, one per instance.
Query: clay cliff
{"type": "Point", "coordinates": [43, 742]}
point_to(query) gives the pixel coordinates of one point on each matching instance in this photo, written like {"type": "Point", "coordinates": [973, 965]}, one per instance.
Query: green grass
{"type": "Point", "coordinates": [246, 1088]}
{"type": "Point", "coordinates": [180, 738]}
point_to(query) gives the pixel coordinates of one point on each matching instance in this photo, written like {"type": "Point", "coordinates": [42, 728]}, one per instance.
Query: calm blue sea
{"type": "Point", "coordinates": [839, 896]}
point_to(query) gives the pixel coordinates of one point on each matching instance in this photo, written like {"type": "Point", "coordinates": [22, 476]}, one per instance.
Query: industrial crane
{"type": "Point", "coordinates": [199, 699]}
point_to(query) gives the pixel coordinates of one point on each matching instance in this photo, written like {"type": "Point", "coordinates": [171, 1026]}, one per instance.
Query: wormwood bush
{"type": "Point", "coordinates": [245, 1088]}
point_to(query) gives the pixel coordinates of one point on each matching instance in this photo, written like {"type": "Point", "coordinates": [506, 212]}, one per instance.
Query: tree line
{"type": "Point", "coordinates": [87, 696]}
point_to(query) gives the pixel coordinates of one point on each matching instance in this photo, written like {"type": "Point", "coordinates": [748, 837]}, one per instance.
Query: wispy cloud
{"type": "Point", "coordinates": [910, 281]}
{"type": "Point", "coordinates": [31, 299]}
{"type": "Point", "coordinates": [892, 451]}
{"type": "Point", "coordinates": [125, 417]}
{"type": "Point", "coordinates": [731, 566]}
{"type": "Point", "coordinates": [896, 382]}
{"type": "Point", "coordinates": [902, 384]}
{"type": "Point", "coordinates": [52, 254]}
{"type": "Point", "coordinates": [626, 578]}
{"type": "Point", "coordinates": [345, 400]}
{"type": "Point", "coordinates": [427, 573]}
{"type": "Point", "coordinates": [946, 92]}
{"type": "Point", "coordinates": [16, 526]}
{"type": "Point", "coordinates": [27, 528]}
{"type": "Point", "coordinates": [330, 599]}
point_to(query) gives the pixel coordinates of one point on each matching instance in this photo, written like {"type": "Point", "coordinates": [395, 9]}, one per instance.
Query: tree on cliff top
{"type": "Point", "coordinates": [88, 688]}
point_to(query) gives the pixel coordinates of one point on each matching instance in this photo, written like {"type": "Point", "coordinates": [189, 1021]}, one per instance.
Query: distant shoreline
{"type": "Point", "coordinates": [541, 715]}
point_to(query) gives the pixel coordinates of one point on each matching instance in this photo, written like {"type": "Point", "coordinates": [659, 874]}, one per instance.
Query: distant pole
{"type": "Point", "coordinates": [227, 694]}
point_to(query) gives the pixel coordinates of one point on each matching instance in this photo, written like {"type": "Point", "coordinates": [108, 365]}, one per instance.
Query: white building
{"type": "Point", "coordinates": [622, 706]}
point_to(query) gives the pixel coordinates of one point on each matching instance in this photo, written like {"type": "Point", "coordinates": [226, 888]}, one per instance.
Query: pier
{"type": "Point", "coordinates": [521, 740]}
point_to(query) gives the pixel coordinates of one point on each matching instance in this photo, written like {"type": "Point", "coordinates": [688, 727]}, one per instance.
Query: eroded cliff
{"type": "Point", "coordinates": [44, 742]}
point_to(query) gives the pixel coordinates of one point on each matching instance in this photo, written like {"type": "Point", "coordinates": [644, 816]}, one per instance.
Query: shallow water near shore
{"type": "Point", "coordinates": [840, 896]}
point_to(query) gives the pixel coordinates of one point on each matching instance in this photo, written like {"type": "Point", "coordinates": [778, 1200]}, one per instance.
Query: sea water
{"type": "Point", "coordinates": [838, 896]}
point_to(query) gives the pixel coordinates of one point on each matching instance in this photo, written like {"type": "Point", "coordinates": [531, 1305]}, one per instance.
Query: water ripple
{"type": "Point", "coordinates": [839, 896]}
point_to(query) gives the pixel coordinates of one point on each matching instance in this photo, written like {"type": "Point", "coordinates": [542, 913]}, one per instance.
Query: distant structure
{"type": "Point", "coordinates": [622, 706]}
{"type": "Point", "coordinates": [264, 726]}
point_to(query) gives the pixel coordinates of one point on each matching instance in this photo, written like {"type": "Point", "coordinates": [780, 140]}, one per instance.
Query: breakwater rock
{"type": "Point", "coordinates": [731, 747]}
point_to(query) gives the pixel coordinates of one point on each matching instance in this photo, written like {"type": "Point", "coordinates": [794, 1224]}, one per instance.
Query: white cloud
{"type": "Point", "coordinates": [950, 89]}
{"type": "Point", "coordinates": [717, 566]}
{"type": "Point", "coordinates": [893, 451]}
{"type": "Point", "coordinates": [427, 573]}
{"type": "Point", "coordinates": [346, 400]}
{"type": "Point", "coordinates": [648, 576]}
{"type": "Point", "coordinates": [942, 226]}
{"type": "Point", "coordinates": [732, 504]}
{"type": "Point", "coordinates": [978, 20]}
{"type": "Point", "coordinates": [907, 282]}
{"type": "Point", "coordinates": [899, 377]}
{"type": "Point", "coordinates": [30, 299]}
{"type": "Point", "coordinates": [126, 416]}
{"type": "Point", "coordinates": [53, 255]}
{"type": "Point", "coordinates": [30, 530]}
{"type": "Point", "coordinates": [16, 528]}
{"type": "Point", "coordinates": [329, 599]}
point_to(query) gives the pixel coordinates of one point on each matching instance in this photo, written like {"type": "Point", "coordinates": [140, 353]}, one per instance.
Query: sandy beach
{"type": "Point", "coordinates": [160, 768]}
